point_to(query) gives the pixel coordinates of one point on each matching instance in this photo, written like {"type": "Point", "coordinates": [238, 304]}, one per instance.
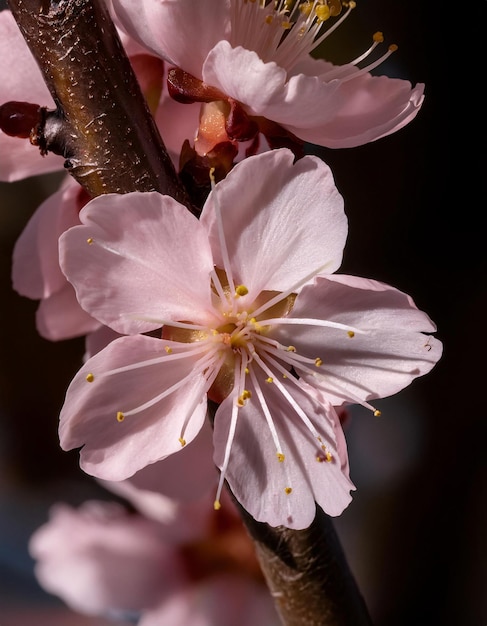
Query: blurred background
{"type": "Point", "coordinates": [415, 533]}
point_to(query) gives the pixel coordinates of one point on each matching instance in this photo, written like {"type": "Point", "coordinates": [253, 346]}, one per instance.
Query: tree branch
{"type": "Point", "coordinates": [103, 128]}
{"type": "Point", "coordinates": [102, 125]}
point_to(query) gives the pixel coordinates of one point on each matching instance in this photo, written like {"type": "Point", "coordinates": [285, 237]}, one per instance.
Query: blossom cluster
{"type": "Point", "coordinates": [220, 350]}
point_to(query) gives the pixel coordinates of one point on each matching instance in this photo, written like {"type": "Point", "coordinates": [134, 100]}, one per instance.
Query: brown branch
{"type": "Point", "coordinates": [102, 125]}
{"type": "Point", "coordinates": [103, 128]}
{"type": "Point", "coordinates": [307, 574]}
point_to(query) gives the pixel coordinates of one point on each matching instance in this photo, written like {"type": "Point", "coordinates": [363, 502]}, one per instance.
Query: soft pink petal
{"type": "Point", "coordinates": [115, 450]}
{"type": "Point", "coordinates": [99, 559]}
{"type": "Point", "coordinates": [221, 600]}
{"type": "Point", "coordinates": [148, 262]}
{"type": "Point", "coordinates": [183, 477]}
{"type": "Point", "coordinates": [281, 221]}
{"type": "Point", "coordinates": [97, 340]}
{"type": "Point", "coordinates": [389, 356]}
{"type": "Point", "coordinates": [263, 85]}
{"type": "Point", "coordinates": [35, 266]}
{"type": "Point", "coordinates": [21, 80]}
{"type": "Point", "coordinates": [326, 111]}
{"type": "Point", "coordinates": [166, 27]}
{"type": "Point", "coordinates": [256, 476]}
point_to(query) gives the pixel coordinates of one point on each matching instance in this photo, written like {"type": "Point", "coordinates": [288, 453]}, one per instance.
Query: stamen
{"type": "Point", "coordinates": [233, 423]}
{"type": "Point", "coordinates": [90, 378]}
{"type": "Point", "coordinates": [267, 414]}
{"type": "Point", "coordinates": [312, 322]}
{"type": "Point", "coordinates": [284, 294]}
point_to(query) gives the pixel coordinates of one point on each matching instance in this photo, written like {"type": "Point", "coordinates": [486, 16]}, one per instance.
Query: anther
{"type": "Point", "coordinates": [269, 379]}
{"type": "Point", "coordinates": [182, 441]}
{"type": "Point", "coordinates": [241, 290]}
{"type": "Point", "coordinates": [378, 37]}
{"type": "Point", "coordinates": [377, 413]}
{"type": "Point", "coordinates": [89, 240]}
{"type": "Point", "coordinates": [168, 349]}
{"type": "Point", "coordinates": [291, 349]}
{"type": "Point", "coordinates": [288, 490]}
{"type": "Point", "coordinates": [318, 362]}
{"type": "Point", "coordinates": [351, 334]}
{"type": "Point", "coordinates": [90, 378]}
{"type": "Point", "coordinates": [217, 505]}
{"type": "Point", "coordinates": [120, 416]}
{"type": "Point", "coordinates": [280, 457]}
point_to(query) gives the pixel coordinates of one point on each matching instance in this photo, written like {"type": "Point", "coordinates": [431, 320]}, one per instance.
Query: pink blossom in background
{"type": "Point", "coordinates": [251, 317]}
{"type": "Point", "coordinates": [245, 71]}
{"type": "Point", "coordinates": [182, 569]}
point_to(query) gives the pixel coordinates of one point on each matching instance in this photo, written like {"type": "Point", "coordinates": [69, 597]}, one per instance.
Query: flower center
{"type": "Point", "coordinates": [283, 31]}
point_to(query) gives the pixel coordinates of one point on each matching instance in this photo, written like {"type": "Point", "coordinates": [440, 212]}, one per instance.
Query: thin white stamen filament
{"type": "Point", "coordinates": [265, 409]}
{"type": "Point", "coordinates": [218, 286]}
{"type": "Point", "coordinates": [208, 363]}
{"type": "Point", "coordinates": [277, 321]}
{"type": "Point", "coordinates": [368, 68]}
{"type": "Point", "coordinates": [161, 322]}
{"type": "Point", "coordinates": [214, 369]}
{"type": "Point", "coordinates": [237, 391]}
{"type": "Point", "coordinates": [284, 294]}
{"type": "Point", "coordinates": [299, 411]}
{"type": "Point", "coordinates": [223, 248]}
{"type": "Point", "coordinates": [169, 356]}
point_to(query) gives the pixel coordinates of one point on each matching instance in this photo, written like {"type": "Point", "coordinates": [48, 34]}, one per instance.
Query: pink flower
{"type": "Point", "coordinates": [253, 59]}
{"type": "Point", "coordinates": [181, 569]}
{"type": "Point", "coordinates": [251, 318]}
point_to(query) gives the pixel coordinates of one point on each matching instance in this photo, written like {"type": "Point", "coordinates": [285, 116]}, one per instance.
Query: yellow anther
{"type": "Point", "coordinates": [322, 12]}
{"type": "Point", "coordinates": [120, 416]}
{"type": "Point", "coordinates": [280, 457]}
{"type": "Point", "coordinates": [182, 441]}
{"type": "Point", "coordinates": [378, 37]}
{"type": "Point", "coordinates": [377, 413]}
{"type": "Point", "coordinates": [269, 379]}
{"type": "Point", "coordinates": [287, 25]}
{"type": "Point", "coordinates": [352, 4]}
{"type": "Point", "coordinates": [319, 459]}
{"type": "Point", "coordinates": [335, 7]}
{"type": "Point", "coordinates": [247, 370]}
{"type": "Point", "coordinates": [288, 490]}
{"type": "Point", "coordinates": [305, 8]}
{"type": "Point", "coordinates": [241, 290]}
{"type": "Point", "coordinates": [217, 505]}
{"type": "Point", "coordinates": [291, 349]}
{"type": "Point", "coordinates": [269, 19]}
{"type": "Point", "coordinates": [318, 362]}
{"type": "Point", "coordinates": [392, 47]}
{"type": "Point", "coordinates": [351, 334]}
{"type": "Point", "coordinates": [243, 397]}
{"type": "Point", "coordinates": [90, 378]}
{"type": "Point", "coordinates": [89, 240]}
{"type": "Point", "coordinates": [168, 349]}
{"type": "Point", "coordinates": [328, 457]}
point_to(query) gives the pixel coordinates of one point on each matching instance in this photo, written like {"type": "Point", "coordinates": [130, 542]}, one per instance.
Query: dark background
{"type": "Point", "coordinates": [415, 533]}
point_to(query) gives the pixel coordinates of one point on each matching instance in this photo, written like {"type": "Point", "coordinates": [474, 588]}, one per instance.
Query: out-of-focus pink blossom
{"type": "Point", "coordinates": [251, 317]}
{"type": "Point", "coordinates": [190, 567]}
{"type": "Point", "coordinates": [250, 61]}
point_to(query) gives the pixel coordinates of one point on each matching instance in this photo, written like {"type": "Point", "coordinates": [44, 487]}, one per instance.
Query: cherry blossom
{"type": "Point", "coordinates": [102, 560]}
{"type": "Point", "coordinates": [252, 319]}
{"type": "Point", "coordinates": [250, 65]}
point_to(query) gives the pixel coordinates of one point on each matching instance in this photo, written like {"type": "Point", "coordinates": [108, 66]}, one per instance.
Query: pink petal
{"type": "Point", "coordinates": [388, 357]}
{"type": "Point", "coordinates": [35, 268]}
{"type": "Point", "coordinates": [21, 80]}
{"type": "Point", "coordinates": [165, 27]}
{"type": "Point", "coordinates": [60, 316]}
{"type": "Point", "coordinates": [322, 111]}
{"type": "Point", "coordinates": [256, 476]}
{"type": "Point", "coordinates": [115, 450]}
{"type": "Point", "coordinates": [148, 262]}
{"type": "Point", "coordinates": [99, 559]}
{"type": "Point", "coordinates": [281, 221]}
{"type": "Point", "coordinates": [217, 601]}
{"type": "Point", "coordinates": [153, 485]}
